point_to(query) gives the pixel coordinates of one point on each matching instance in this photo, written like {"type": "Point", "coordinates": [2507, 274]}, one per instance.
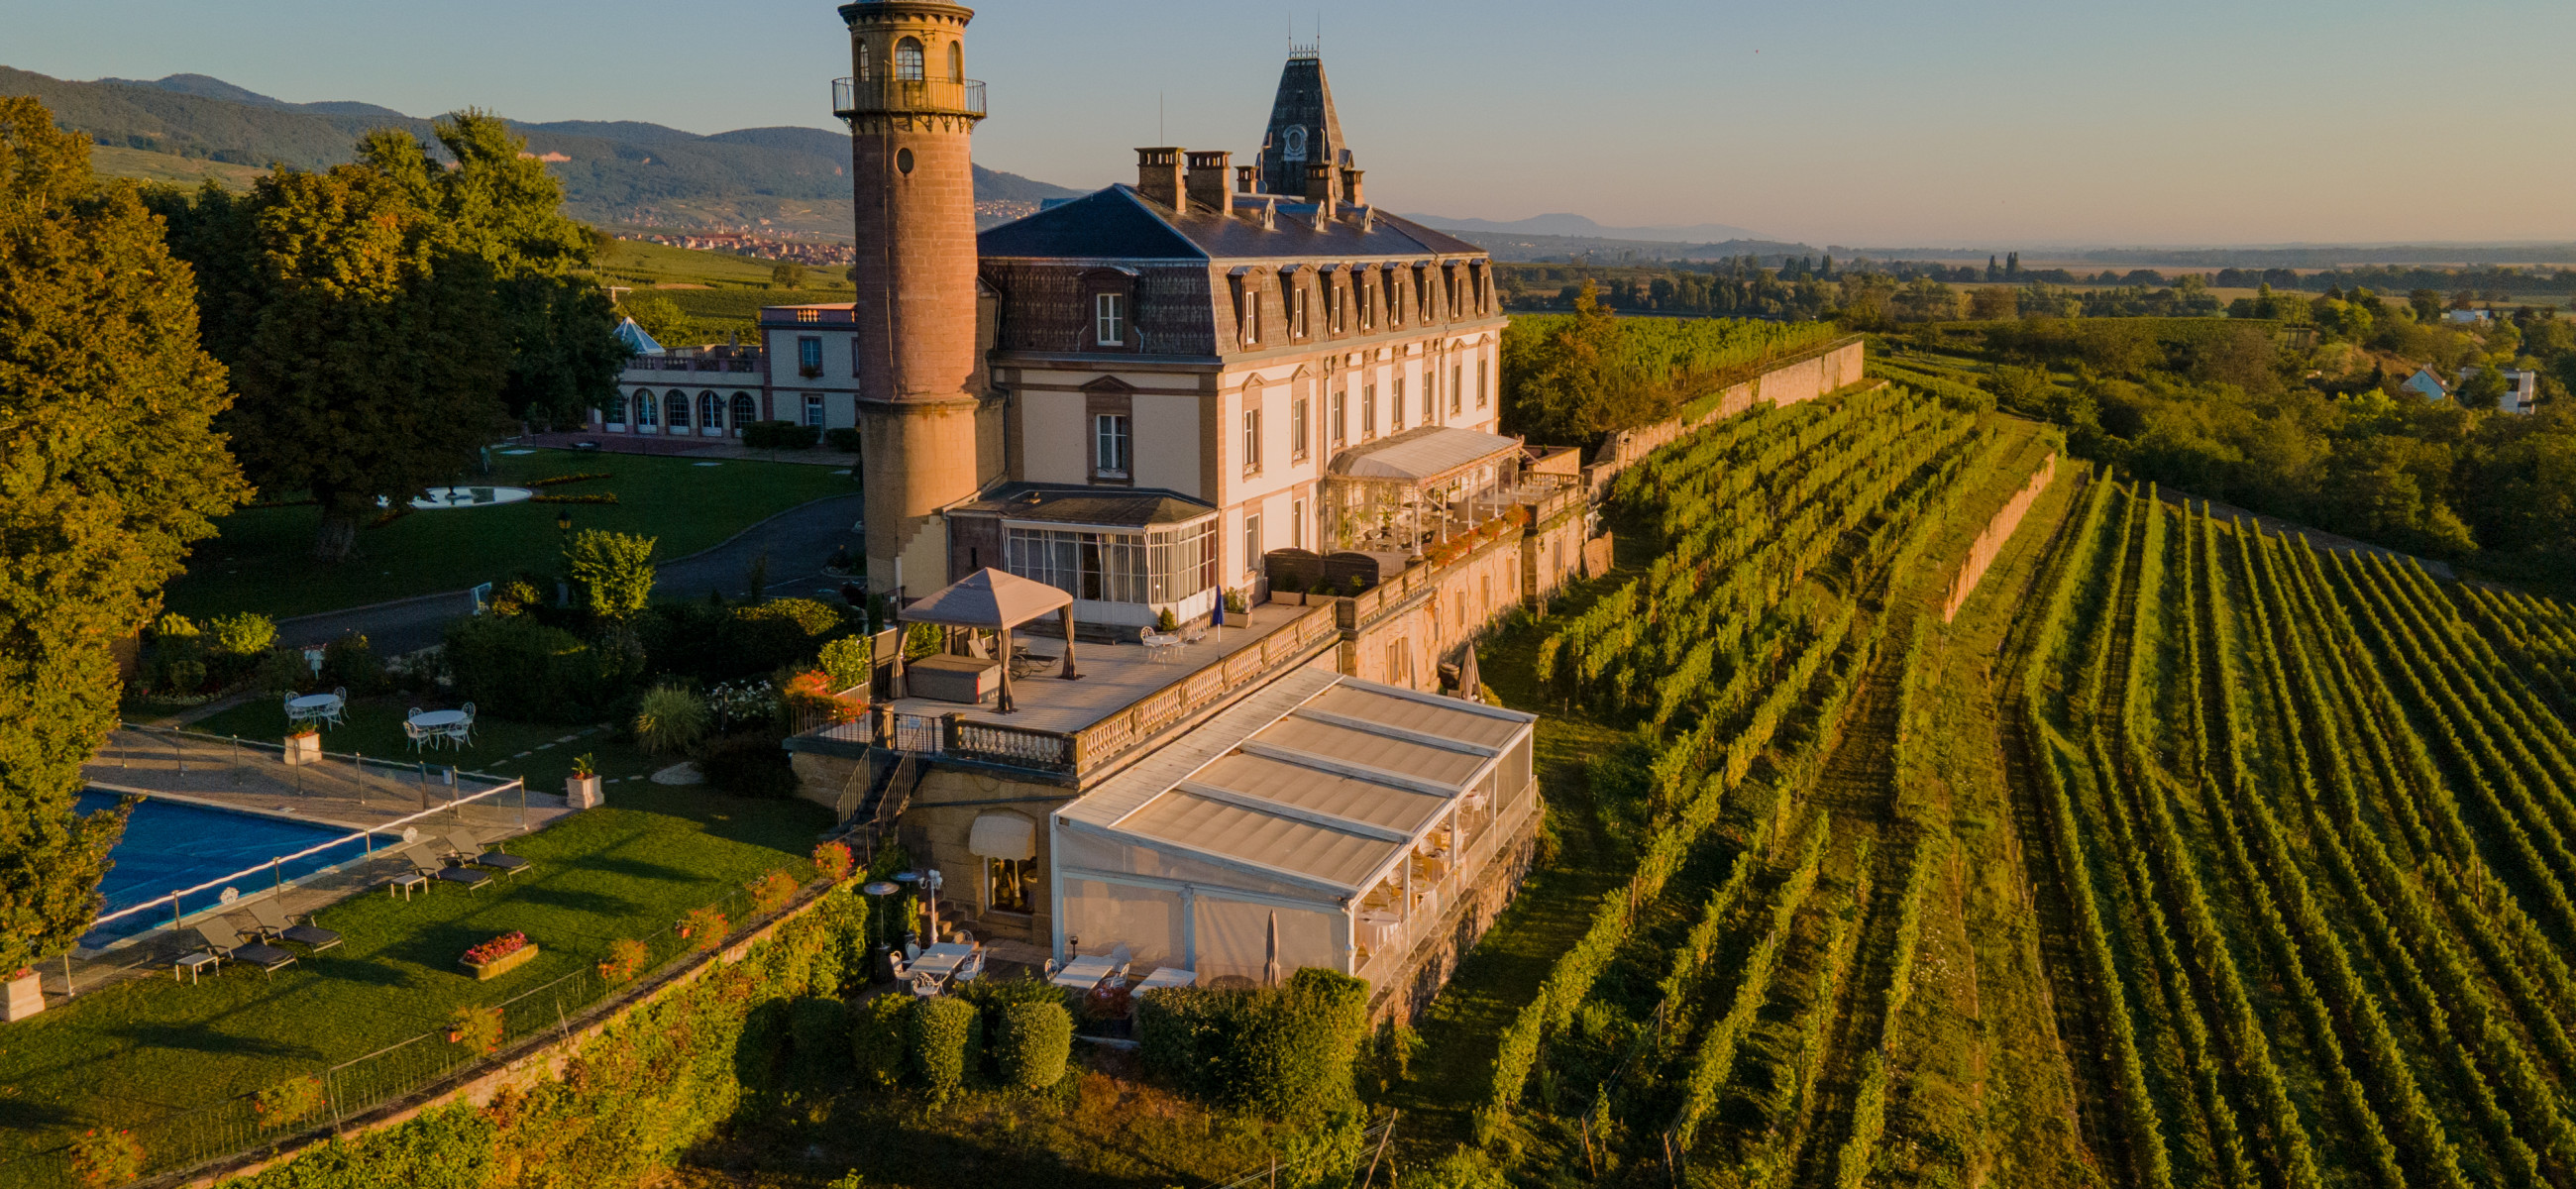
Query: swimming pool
{"type": "Point", "coordinates": [169, 845]}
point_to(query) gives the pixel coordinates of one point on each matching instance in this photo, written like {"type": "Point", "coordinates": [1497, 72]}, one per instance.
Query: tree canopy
{"type": "Point", "coordinates": [384, 318]}
{"type": "Point", "coordinates": [109, 467]}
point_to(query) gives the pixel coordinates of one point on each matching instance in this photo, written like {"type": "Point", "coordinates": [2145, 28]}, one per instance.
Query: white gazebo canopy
{"type": "Point", "coordinates": [996, 601]}
{"type": "Point", "coordinates": [989, 599]}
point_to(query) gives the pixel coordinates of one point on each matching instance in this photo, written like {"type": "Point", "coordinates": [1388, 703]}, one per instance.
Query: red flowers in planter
{"type": "Point", "coordinates": [499, 947]}
{"type": "Point", "coordinates": [833, 860]}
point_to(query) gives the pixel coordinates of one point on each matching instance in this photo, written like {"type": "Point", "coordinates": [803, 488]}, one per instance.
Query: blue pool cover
{"type": "Point", "coordinates": [169, 845]}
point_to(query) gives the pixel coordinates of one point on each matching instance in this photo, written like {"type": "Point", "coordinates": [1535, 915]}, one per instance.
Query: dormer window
{"type": "Point", "coordinates": [1109, 319]}
{"type": "Point", "coordinates": [908, 64]}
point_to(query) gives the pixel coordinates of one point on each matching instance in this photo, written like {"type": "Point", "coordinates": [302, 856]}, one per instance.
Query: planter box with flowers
{"type": "Point", "coordinates": [815, 698]}
{"type": "Point", "coordinates": [581, 789]}
{"type": "Point", "coordinates": [26, 996]}
{"type": "Point", "coordinates": [500, 956]}
{"type": "Point", "coordinates": [304, 747]}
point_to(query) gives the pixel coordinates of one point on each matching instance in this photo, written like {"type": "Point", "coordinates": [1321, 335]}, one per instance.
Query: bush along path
{"type": "Point", "coordinates": [1784, 542]}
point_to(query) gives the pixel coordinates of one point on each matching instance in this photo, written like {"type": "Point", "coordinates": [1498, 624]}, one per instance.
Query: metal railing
{"type": "Point", "coordinates": [1474, 861]}
{"type": "Point", "coordinates": [175, 901]}
{"type": "Point", "coordinates": [851, 96]}
{"type": "Point", "coordinates": [237, 1126]}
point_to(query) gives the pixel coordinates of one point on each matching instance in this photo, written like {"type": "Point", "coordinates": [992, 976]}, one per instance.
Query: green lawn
{"type": "Point", "coordinates": [261, 561]}
{"type": "Point", "coordinates": [530, 751]}
{"type": "Point", "coordinates": [138, 1054]}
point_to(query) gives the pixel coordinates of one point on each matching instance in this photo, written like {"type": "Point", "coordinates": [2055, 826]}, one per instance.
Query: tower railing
{"type": "Point", "coordinates": [852, 96]}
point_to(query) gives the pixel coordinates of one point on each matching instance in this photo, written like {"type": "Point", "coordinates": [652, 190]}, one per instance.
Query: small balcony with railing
{"type": "Point", "coordinates": [936, 96]}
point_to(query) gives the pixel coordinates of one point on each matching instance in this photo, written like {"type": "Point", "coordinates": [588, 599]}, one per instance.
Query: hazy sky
{"type": "Point", "coordinates": [1886, 122]}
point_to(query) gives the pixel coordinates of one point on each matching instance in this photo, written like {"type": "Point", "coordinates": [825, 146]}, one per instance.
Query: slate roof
{"type": "Point", "coordinates": [1120, 507]}
{"type": "Point", "coordinates": [1119, 224]}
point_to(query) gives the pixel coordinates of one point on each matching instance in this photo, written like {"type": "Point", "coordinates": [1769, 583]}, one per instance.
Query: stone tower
{"type": "Point", "coordinates": [1304, 130]}
{"type": "Point", "coordinates": [912, 113]}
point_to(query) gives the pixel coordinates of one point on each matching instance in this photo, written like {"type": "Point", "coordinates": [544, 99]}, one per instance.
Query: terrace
{"type": "Point", "coordinates": [1128, 695]}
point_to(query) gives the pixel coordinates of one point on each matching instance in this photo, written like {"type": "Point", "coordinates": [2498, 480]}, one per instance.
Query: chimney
{"type": "Point", "coordinates": [1351, 187]}
{"type": "Point", "coordinates": [1207, 181]}
{"type": "Point", "coordinates": [1322, 188]}
{"type": "Point", "coordinates": [1158, 175]}
{"type": "Point", "coordinates": [1244, 182]}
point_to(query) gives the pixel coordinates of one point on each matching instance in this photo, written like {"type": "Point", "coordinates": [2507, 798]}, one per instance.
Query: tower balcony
{"type": "Point", "coordinates": [852, 97]}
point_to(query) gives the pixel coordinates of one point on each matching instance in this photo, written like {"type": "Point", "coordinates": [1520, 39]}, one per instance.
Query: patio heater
{"type": "Point", "coordinates": [879, 893]}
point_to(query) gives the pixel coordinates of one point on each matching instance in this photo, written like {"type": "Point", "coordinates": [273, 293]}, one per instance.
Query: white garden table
{"type": "Point", "coordinates": [442, 722]}
{"type": "Point", "coordinates": [312, 706]}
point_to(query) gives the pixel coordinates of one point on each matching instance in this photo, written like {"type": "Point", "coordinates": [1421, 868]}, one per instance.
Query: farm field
{"type": "Point", "coordinates": [2186, 854]}
{"type": "Point", "coordinates": [2311, 811]}
{"type": "Point", "coordinates": [1795, 912]}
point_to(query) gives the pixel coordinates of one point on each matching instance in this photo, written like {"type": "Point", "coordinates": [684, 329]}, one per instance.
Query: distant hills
{"type": "Point", "coordinates": [1579, 227]}
{"type": "Point", "coordinates": [613, 171]}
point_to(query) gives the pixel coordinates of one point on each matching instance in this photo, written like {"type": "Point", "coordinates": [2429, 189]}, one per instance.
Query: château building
{"type": "Point", "coordinates": [1114, 449]}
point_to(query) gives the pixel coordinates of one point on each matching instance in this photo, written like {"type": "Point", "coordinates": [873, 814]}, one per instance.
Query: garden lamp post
{"type": "Point", "coordinates": [563, 522]}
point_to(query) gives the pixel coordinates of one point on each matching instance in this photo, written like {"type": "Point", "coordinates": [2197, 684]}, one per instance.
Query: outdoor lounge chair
{"type": "Point", "coordinates": [227, 943]}
{"type": "Point", "coordinates": [425, 859]}
{"type": "Point", "coordinates": [466, 848]}
{"type": "Point", "coordinates": [272, 919]}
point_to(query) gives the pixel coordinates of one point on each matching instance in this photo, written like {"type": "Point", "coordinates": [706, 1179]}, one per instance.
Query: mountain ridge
{"type": "Point", "coordinates": [1568, 225]}
{"type": "Point", "coordinates": [616, 171]}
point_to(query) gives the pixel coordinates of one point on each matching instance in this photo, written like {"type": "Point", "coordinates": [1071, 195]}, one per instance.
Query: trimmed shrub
{"type": "Point", "coordinates": [818, 1029]}
{"type": "Point", "coordinates": [748, 764]}
{"type": "Point", "coordinates": [780, 435]}
{"type": "Point", "coordinates": [849, 661]}
{"type": "Point", "coordinates": [1032, 1045]}
{"type": "Point", "coordinates": [670, 720]}
{"type": "Point", "coordinates": [844, 439]}
{"type": "Point", "coordinates": [779, 632]}
{"type": "Point", "coordinates": [352, 662]}
{"type": "Point", "coordinates": [1286, 1052]}
{"type": "Point", "coordinates": [943, 1039]}
{"type": "Point", "coordinates": [236, 643]}
{"type": "Point", "coordinates": [516, 667]}
{"type": "Point", "coordinates": [281, 673]}
{"type": "Point", "coordinates": [289, 1102]}
{"type": "Point", "coordinates": [177, 662]}
{"type": "Point", "coordinates": [878, 1039]}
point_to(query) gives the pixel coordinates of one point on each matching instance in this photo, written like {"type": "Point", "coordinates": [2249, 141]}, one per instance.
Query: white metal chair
{"type": "Point", "coordinates": [337, 713]}
{"type": "Point", "coordinates": [970, 969]}
{"type": "Point", "coordinates": [462, 734]}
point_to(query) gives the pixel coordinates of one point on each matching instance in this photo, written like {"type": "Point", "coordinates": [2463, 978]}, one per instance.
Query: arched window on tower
{"type": "Point", "coordinates": [956, 62]}
{"type": "Point", "coordinates": [908, 65]}
{"type": "Point", "coordinates": [863, 62]}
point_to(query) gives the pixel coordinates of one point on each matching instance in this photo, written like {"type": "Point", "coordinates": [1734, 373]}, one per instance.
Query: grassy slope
{"type": "Point", "coordinates": [150, 1048]}
{"type": "Point", "coordinates": [1987, 1061]}
{"type": "Point", "coordinates": [145, 166]}
{"type": "Point", "coordinates": [261, 561]}
{"type": "Point", "coordinates": [634, 261]}
{"type": "Point", "coordinates": [1554, 906]}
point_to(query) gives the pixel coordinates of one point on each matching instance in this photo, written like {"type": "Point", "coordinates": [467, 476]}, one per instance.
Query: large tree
{"type": "Point", "coordinates": [386, 317]}
{"type": "Point", "coordinates": [109, 466]}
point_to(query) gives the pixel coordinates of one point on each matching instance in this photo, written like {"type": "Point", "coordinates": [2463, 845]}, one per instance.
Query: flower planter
{"type": "Point", "coordinates": [26, 997]}
{"type": "Point", "coordinates": [582, 792]}
{"type": "Point", "coordinates": [303, 749]}
{"type": "Point", "coordinates": [487, 971]}
{"type": "Point", "coordinates": [1288, 598]}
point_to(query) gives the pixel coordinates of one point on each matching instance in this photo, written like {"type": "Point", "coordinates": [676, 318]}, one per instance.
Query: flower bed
{"type": "Point", "coordinates": [499, 956]}
{"type": "Point", "coordinates": [560, 480]}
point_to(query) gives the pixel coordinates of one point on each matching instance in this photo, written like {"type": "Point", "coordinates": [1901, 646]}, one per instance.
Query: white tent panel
{"type": "Point", "coordinates": [1081, 850]}
{"type": "Point", "coordinates": [1147, 919]}
{"type": "Point", "coordinates": [1233, 937]}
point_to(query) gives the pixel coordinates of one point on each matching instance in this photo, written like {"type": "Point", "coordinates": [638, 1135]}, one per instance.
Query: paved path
{"type": "Point", "coordinates": [798, 541]}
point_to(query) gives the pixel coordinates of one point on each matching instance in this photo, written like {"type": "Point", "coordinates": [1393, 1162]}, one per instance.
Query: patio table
{"type": "Point", "coordinates": [1378, 928]}
{"type": "Point", "coordinates": [312, 706]}
{"type": "Point", "coordinates": [439, 719]}
{"type": "Point", "coordinates": [1082, 974]}
{"type": "Point", "coordinates": [941, 960]}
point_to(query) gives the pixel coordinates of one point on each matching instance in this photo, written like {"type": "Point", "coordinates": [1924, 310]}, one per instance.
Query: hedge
{"type": "Point", "coordinates": [1033, 1044]}
{"type": "Point", "coordinates": [1285, 1052]}
{"type": "Point", "coordinates": [878, 1040]}
{"type": "Point", "coordinates": [658, 1082]}
{"type": "Point", "coordinates": [943, 1036]}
